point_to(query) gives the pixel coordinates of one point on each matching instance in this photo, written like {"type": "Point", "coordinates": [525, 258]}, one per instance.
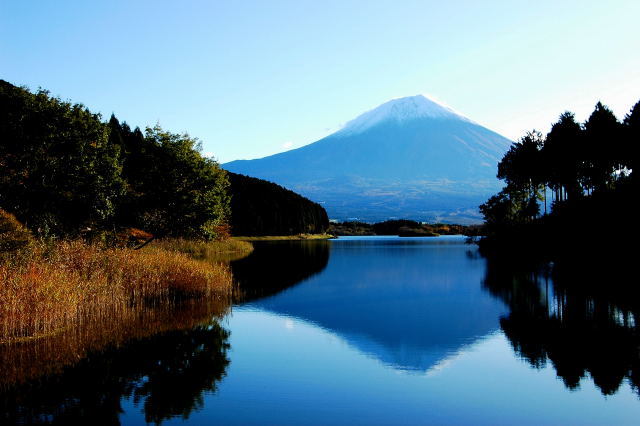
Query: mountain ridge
{"type": "Point", "coordinates": [408, 158]}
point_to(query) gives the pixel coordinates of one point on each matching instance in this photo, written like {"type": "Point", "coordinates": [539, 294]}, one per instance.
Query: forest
{"type": "Point", "coordinates": [259, 207]}
{"type": "Point", "coordinates": [98, 220]}
{"type": "Point", "coordinates": [64, 172]}
{"type": "Point", "coordinates": [401, 227]}
{"type": "Point", "coordinates": [578, 184]}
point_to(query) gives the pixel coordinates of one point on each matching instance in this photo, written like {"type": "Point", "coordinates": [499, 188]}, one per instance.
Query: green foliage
{"type": "Point", "coordinates": [510, 206]}
{"type": "Point", "coordinates": [498, 209]}
{"type": "Point", "coordinates": [522, 168]}
{"type": "Point", "coordinates": [175, 191]}
{"type": "Point", "coordinates": [63, 171]}
{"type": "Point", "coordinates": [58, 171]}
{"type": "Point", "coordinates": [521, 165]}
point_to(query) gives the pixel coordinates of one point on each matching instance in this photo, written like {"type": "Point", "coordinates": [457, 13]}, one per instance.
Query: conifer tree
{"type": "Point", "coordinates": [603, 141]}
{"type": "Point", "coordinates": [561, 155]}
{"type": "Point", "coordinates": [632, 140]}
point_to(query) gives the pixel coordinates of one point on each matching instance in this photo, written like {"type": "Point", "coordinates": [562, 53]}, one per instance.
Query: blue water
{"type": "Point", "coordinates": [393, 331]}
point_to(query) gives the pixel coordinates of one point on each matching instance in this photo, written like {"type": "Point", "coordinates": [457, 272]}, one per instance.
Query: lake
{"type": "Point", "coordinates": [367, 330]}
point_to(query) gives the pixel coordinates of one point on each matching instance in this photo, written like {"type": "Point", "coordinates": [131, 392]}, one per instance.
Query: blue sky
{"type": "Point", "coordinates": [252, 78]}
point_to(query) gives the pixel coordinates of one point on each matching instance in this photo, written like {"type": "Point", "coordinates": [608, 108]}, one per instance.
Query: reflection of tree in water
{"type": "Point", "coordinates": [580, 323]}
{"type": "Point", "coordinates": [276, 265]}
{"type": "Point", "coordinates": [166, 374]}
{"type": "Point", "coordinates": [136, 355]}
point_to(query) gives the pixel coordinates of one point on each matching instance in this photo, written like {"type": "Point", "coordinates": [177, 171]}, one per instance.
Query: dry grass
{"type": "Point", "coordinates": [75, 281]}
{"type": "Point", "coordinates": [16, 241]}
{"type": "Point", "coordinates": [286, 237]}
{"type": "Point", "coordinates": [217, 251]}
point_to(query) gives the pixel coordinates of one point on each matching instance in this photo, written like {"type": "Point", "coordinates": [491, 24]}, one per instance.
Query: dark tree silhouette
{"type": "Point", "coordinates": [561, 154]}
{"type": "Point", "coordinates": [603, 148]}
{"type": "Point", "coordinates": [590, 170]}
{"type": "Point", "coordinates": [259, 207]}
{"type": "Point", "coordinates": [632, 140]}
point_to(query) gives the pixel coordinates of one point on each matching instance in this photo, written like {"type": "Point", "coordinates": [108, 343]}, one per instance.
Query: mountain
{"type": "Point", "coordinates": [408, 158]}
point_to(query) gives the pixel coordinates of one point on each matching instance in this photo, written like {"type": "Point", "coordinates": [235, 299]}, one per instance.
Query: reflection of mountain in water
{"type": "Point", "coordinates": [167, 374]}
{"type": "Point", "coordinates": [581, 322]}
{"type": "Point", "coordinates": [276, 265]}
{"type": "Point", "coordinates": [408, 302]}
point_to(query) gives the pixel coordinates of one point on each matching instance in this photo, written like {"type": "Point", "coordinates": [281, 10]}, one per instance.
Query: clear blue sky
{"type": "Point", "coordinates": [251, 78]}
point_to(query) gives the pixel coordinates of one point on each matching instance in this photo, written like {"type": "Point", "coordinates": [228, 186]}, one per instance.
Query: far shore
{"type": "Point", "coordinates": [296, 237]}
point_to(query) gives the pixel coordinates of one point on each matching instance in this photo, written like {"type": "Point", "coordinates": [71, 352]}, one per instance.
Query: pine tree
{"type": "Point", "coordinates": [603, 141]}
{"type": "Point", "coordinates": [632, 140]}
{"type": "Point", "coordinates": [561, 155]}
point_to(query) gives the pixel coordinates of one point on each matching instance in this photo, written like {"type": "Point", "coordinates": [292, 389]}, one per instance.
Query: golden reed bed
{"type": "Point", "coordinates": [60, 301]}
{"type": "Point", "coordinates": [75, 281]}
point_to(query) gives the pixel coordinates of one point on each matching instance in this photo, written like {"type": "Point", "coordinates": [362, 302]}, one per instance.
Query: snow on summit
{"type": "Point", "coordinates": [407, 158]}
{"type": "Point", "coordinates": [399, 110]}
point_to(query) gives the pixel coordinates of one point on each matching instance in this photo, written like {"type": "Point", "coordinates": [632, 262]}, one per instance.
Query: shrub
{"type": "Point", "coordinates": [16, 242]}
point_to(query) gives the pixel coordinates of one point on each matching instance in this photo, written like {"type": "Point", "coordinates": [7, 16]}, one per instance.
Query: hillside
{"type": "Point", "coordinates": [408, 158]}
{"type": "Point", "coordinates": [259, 207]}
{"type": "Point", "coordinates": [65, 172]}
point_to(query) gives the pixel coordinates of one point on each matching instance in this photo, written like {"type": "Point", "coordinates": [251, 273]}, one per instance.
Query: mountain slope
{"type": "Point", "coordinates": [409, 157]}
{"type": "Point", "coordinates": [259, 207]}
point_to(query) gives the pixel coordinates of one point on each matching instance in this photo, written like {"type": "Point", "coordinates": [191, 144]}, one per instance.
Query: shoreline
{"type": "Point", "coordinates": [57, 287]}
{"type": "Point", "coordinates": [297, 237]}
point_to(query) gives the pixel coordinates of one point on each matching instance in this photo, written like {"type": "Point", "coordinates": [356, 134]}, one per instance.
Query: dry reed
{"type": "Point", "coordinates": [216, 251]}
{"type": "Point", "coordinates": [76, 282]}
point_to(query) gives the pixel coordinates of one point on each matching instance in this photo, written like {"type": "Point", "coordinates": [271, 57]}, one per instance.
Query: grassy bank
{"type": "Point", "coordinates": [62, 285]}
{"type": "Point", "coordinates": [216, 251]}
{"type": "Point", "coordinates": [286, 237]}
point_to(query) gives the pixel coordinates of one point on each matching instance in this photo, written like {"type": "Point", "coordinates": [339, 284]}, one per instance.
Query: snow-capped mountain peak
{"type": "Point", "coordinates": [400, 110]}
{"type": "Point", "coordinates": [408, 158]}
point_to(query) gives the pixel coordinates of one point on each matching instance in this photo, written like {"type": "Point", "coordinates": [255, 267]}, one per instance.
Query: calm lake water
{"type": "Point", "coordinates": [368, 331]}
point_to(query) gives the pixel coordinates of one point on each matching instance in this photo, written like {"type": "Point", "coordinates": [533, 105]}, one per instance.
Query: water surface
{"type": "Point", "coordinates": [370, 331]}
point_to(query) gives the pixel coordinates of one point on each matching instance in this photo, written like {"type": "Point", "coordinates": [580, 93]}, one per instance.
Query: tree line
{"type": "Point", "coordinates": [401, 227]}
{"type": "Point", "coordinates": [64, 171]}
{"type": "Point", "coordinates": [574, 162]}
{"type": "Point", "coordinates": [259, 207]}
